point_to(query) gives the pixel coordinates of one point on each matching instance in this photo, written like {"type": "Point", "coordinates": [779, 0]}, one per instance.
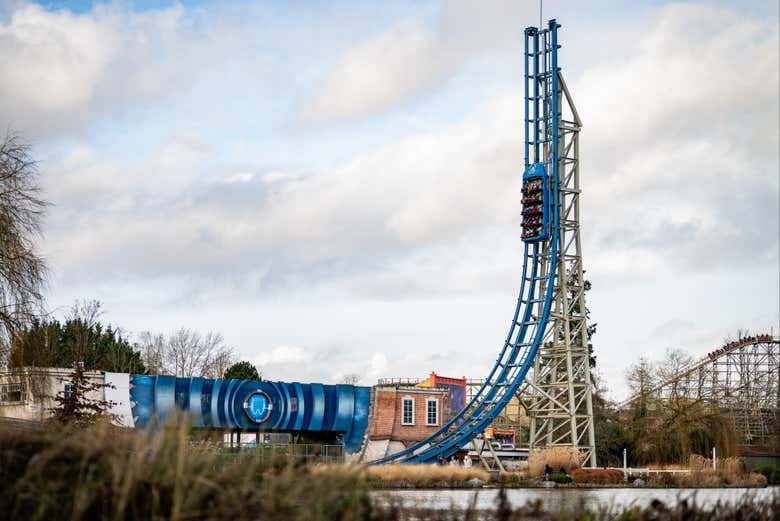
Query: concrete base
{"type": "Point", "coordinates": [380, 448]}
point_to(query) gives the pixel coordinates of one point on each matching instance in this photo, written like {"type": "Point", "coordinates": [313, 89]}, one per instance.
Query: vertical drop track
{"type": "Point", "coordinates": [542, 125]}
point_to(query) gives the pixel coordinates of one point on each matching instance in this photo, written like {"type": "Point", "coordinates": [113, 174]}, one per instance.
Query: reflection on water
{"type": "Point", "coordinates": [556, 500]}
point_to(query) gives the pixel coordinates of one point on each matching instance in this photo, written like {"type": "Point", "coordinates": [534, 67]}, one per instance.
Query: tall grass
{"type": "Point", "coordinates": [728, 472]}
{"type": "Point", "coordinates": [112, 474]}
{"type": "Point", "coordinates": [556, 457]}
{"type": "Point", "coordinates": [104, 473]}
{"type": "Point", "coordinates": [422, 475]}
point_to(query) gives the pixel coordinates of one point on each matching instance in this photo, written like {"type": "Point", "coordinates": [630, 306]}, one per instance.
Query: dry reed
{"type": "Point", "coordinates": [420, 475]}
{"type": "Point", "coordinates": [728, 472]}
{"type": "Point", "coordinates": [115, 474]}
{"type": "Point", "coordinates": [556, 457]}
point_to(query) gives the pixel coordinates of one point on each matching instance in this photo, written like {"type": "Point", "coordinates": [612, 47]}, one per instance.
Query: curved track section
{"type": "Point", "coordinates": [540, 264]}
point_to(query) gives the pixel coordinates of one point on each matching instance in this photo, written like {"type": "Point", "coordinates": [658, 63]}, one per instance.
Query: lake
{"type": "Point", "coordinates": [556, 500]}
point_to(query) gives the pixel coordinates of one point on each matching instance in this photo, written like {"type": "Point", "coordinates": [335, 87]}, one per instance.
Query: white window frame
{"type": "Point", "coordinates": [13, 387]}
{"type": "Point", "coordinates": [428, 403]}
{"type": "Point", "coordinates": [403, 410]}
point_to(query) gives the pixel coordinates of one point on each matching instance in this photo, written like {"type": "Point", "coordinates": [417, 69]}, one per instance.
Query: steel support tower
{"type": "Point", "coordinates": [558, 396]}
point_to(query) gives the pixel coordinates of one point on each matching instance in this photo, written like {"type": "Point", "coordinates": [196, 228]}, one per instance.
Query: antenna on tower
{"type": "Point", "coordinates": [540, 13]}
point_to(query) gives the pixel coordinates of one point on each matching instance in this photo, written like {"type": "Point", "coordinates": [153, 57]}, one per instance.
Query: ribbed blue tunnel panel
{"type": "Point", "coordinates": [225, 404]}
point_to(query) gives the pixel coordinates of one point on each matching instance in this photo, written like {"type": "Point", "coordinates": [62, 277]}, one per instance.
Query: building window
{"type": "Point", "coordinates": [67, 391]}
{"type": "Point", "coordinates": [13, 393]}
{"type": "Point", "coordinates": [407, 417]}
{"type": "Point", "coordinates": [432, 411]}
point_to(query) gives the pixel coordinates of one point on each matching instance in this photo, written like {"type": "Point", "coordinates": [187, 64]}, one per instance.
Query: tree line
{"type": "Point", "coordinates": [82, 339]}
{"type": "Point", "coordinates": [659, 429]}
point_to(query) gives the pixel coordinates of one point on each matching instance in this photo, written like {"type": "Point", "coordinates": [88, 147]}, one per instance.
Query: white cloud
{"type": "Point", "coordinates": [281, 355]}
{"type": "Point", "coordinates": [442, 187]}
{"type": "Point", "coordinates": [53, 61]}
{"type": "Point", "coordinates": [410, 58]}
{"type": "Point", "coordinates": [61, 70]}
{"type": "Point", "coordinates": [379, 72]}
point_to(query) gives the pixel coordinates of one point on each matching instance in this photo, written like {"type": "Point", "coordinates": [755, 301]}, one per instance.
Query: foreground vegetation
{"type": "Point", "coordinates": [106, 473]}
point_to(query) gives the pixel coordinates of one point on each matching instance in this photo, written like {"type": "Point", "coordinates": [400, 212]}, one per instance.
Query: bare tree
{"type": "Point", "coordinates": [351, 379]}
{"type": "Point", "coordinates": [152, 348]}
{"type": "Point", "coordinates": [22, 270]}
{"type": "Point", "coordinates": [186, 353]}
{"type": "Point", "coordinates": [674, 364]}
{"type": "Point", "coordinates": [86, 311]}
{"type": "Point", "coordinates": [223, 360]}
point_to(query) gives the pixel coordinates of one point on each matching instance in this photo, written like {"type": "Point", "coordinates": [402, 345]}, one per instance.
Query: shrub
{"type": "Point", "coordinates": [597, 476]}
{"type": "Point", "coordinates": [559, 478]}
{"type": "Point", "coordinates": [556, 458]}
{"type": "Point", "coordinates": [666, 479]}
{"type": "Point", "coordinates": [770, 472]}
{"type": "Point", "coordinates": [756, 480]}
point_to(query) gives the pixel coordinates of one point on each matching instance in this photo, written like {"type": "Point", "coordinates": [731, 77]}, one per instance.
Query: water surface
{"type": "Point", "coordinates": [556, 500]}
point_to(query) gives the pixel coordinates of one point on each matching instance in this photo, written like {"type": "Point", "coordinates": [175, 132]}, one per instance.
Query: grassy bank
{"type": "Point", "coordinates": [106, 473]}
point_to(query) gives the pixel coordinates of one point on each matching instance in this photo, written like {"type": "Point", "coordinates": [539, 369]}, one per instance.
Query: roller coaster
{"type": "Point", "coordinates": [741, 379]}
{"type": "Point", "coordinates": [551, 283]}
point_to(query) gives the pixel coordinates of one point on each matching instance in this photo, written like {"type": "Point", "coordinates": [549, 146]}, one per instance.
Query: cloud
{"type": "Point", "coordinates": [410, 58]}
{"type": "Point", "coordinates": [418, 214]}
{"type": "Point", "coordinates": [281, 355]}
{"type": "Point", "coordinates": [681, 166]}
{"type": "Point", "coordinates": [332, 364]}
{"type": "Point", "coordinates": [62, 70]}
{"type": "Point", "coordinates": [376, 74]}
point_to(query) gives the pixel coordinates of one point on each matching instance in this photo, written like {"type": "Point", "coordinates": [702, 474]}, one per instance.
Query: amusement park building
{"type": "Point", "coordinates": [405, 411]}
{"type": "Point", "coordinates": [27, 395]}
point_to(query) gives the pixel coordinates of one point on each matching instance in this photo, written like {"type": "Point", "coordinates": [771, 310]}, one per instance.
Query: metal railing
{"type": "Point", "coordinates": [295, 453]}
{"type": "Point", "coordinates": [399, 381]}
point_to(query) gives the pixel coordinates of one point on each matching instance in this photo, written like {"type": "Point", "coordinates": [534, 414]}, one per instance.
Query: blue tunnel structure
{"type": "Point", "coordinates": [253, 405]}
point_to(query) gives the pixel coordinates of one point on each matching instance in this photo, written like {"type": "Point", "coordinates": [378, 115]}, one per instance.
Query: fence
{"type": "Point", "coordinates": [290, 452]}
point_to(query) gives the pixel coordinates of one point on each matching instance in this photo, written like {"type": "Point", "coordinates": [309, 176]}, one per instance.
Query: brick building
{"type": "Point", "coordinates": [407, 411]}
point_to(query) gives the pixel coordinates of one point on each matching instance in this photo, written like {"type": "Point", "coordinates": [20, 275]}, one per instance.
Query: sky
{"type": "Point", "coordinates": [335, 186]}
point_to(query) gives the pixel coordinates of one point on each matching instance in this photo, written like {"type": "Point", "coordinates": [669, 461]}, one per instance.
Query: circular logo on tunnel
{"type": "Point", "coordinates": [258, 406]}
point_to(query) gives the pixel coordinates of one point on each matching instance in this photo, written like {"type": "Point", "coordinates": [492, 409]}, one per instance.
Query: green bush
{"type": "Point", "coordinates": [559, 478]}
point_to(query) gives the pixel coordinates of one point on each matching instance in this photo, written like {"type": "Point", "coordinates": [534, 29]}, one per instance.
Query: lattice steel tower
{"type": "Point", "coordinates": [558, 395]}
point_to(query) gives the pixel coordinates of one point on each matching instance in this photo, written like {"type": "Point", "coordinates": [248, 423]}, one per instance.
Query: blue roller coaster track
{"type": "Point", "coordinates": [540, 258]}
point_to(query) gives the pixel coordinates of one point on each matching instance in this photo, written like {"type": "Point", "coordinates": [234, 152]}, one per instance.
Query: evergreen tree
{"type": "Point", "coordinates": [77, 405]}
{"type": "Point", "coordinates": [242, 371]}
{"type": "Point", "coordinates": [50, 343]}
